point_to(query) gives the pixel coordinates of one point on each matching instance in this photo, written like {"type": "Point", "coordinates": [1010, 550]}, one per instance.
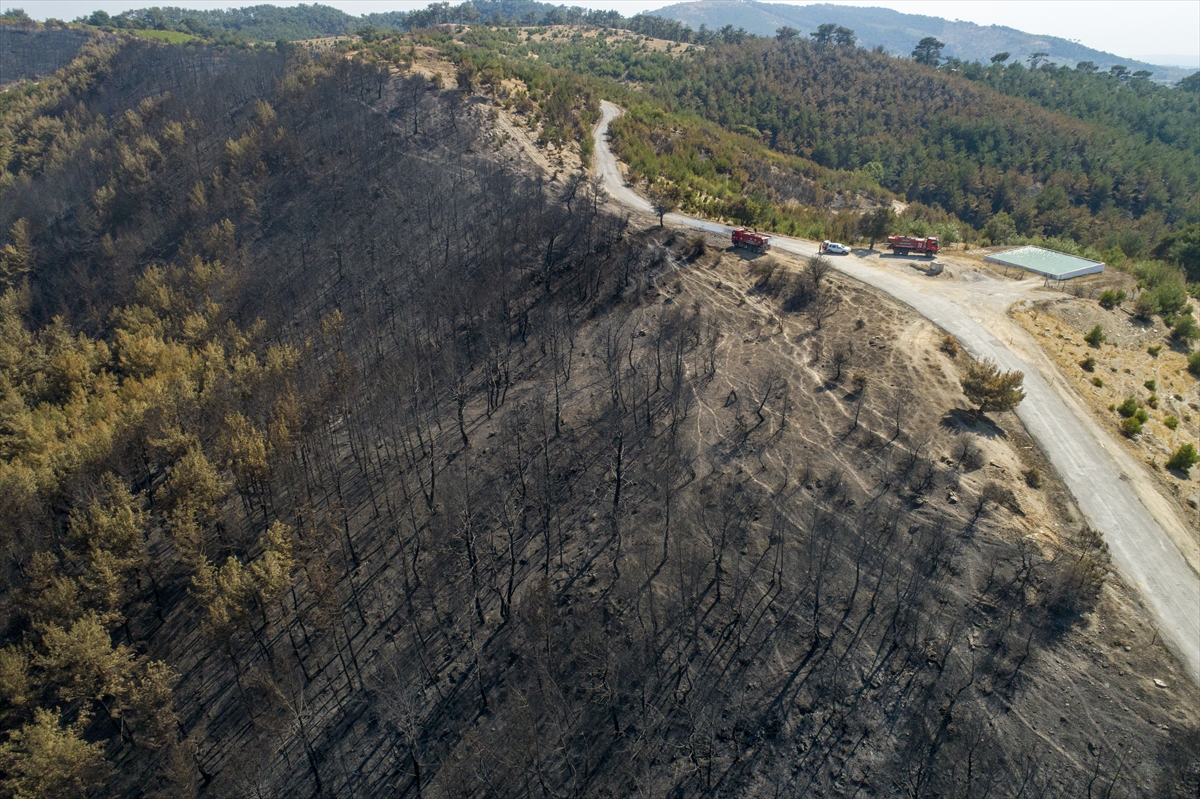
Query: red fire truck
{"type": "Point", "coordinates": [906, 244]}
{"type": "Point", "coordinates": [751, 240]}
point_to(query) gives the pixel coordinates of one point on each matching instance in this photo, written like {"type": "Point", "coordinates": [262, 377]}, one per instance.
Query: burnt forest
{"type": "Point", "coordinates": [346, 450]}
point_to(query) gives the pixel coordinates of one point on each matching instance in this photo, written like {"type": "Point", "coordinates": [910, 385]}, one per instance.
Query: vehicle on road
{"type": "Point", "coordinates": [751, 239]}
{"type": "Point", "coordinates": [904, 245]}
{"type": "Point", "coordinates": [834, 248]}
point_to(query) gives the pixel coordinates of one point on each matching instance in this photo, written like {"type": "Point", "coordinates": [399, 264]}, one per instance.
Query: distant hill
{"type": "Point", "coordinates": [898, 33]}
{"type": "Point", "coordinates": [269, 23]}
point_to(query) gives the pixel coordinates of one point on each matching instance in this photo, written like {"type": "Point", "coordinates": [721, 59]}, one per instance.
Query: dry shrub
{"type": "Point", "coordinates": [764, 270]}
{"type": "Point", "coordinates": [1002, 496]}
{"type": "Point", "coordinates": [1073, 586]}
{"type": "Point", "coordinates": [771, 279]}
{"type": "Point", "coordinates": [970, 456]}
{"type": "Point", "coordinates": [950, 346]}
{"type": "Point", "coordinates": [1033, 477]}
{"type": "Point", "coordinates": [797, 293]}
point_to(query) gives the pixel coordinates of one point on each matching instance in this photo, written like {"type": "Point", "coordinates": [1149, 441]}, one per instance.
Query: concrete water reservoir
{"type": "Point", "coordinates": [1047, 263]}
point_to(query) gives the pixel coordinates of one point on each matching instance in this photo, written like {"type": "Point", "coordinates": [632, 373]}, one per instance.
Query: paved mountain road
{"type": "Point", "coordinates": [1143, 531]}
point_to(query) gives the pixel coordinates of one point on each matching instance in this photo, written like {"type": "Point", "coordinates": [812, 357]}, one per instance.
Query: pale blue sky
{"type": "Point", "coordinates": [1128, 28]}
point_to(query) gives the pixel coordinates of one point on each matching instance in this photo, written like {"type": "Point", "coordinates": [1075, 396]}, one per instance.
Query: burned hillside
{"type": "Point", "coordinates": [343, 457]}
{"type": "Point", "coordinates": [29, 51]}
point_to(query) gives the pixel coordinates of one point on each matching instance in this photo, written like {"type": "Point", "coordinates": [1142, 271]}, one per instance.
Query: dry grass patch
{"type": "Point", "coordinates": [1136, 360]}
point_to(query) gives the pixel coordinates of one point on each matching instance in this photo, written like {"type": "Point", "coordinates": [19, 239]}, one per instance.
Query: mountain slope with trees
{"type": "Point", "coordinates": [898, 32]}
{"type": "Point", "coordinates": [940, 139]}
{"type": "Point", "coordinates": [29, 50]}
{"type": "Point", "coordinates": [268, 23]}
{"type": "Point", "coordinates": [342, 453]}
{"type": "Point", "coordinates": [1113, 166]}
{"type": "Point", "coordinates": [1113, 99]}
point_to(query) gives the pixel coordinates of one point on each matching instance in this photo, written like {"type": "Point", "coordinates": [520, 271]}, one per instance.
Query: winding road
{"type": "Point", "coordinates": [1151, 546]}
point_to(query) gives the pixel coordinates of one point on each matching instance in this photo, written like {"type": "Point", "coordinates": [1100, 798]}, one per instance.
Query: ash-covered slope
{"type": "Point", "coordinates": [343, 457]}
{"type": "Point", "coordinates": [28, 51]}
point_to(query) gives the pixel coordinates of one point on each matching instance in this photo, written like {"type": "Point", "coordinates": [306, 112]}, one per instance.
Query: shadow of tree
{"type": "Point", "coordinates": [965, 421]}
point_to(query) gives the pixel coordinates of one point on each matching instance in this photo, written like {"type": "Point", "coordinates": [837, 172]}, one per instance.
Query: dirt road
{"type": "Point", "coordinates": [1151, 546]}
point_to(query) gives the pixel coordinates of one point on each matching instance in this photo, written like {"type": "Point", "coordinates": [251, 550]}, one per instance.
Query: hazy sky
{"type": "Point", "coordinates": [1123, 27]}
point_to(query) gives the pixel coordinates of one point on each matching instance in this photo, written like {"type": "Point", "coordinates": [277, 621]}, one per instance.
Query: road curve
{"type": "Point", "coordinates": [1141, 550]}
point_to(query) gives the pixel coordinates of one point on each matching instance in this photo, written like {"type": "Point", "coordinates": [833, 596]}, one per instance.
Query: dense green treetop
{"type": "Point", "coordinates": [1133, 105]}
{"type": "Point", "coordinates": [897, 32]}
{"type": "Point", "coordinates": [946, 141]}
{"type": "Point", "coordinates": [274, 23]}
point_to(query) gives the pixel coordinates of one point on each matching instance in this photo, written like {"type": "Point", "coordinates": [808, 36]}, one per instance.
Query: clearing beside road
{"type": "Point", "coordinates": [1137, 360]}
